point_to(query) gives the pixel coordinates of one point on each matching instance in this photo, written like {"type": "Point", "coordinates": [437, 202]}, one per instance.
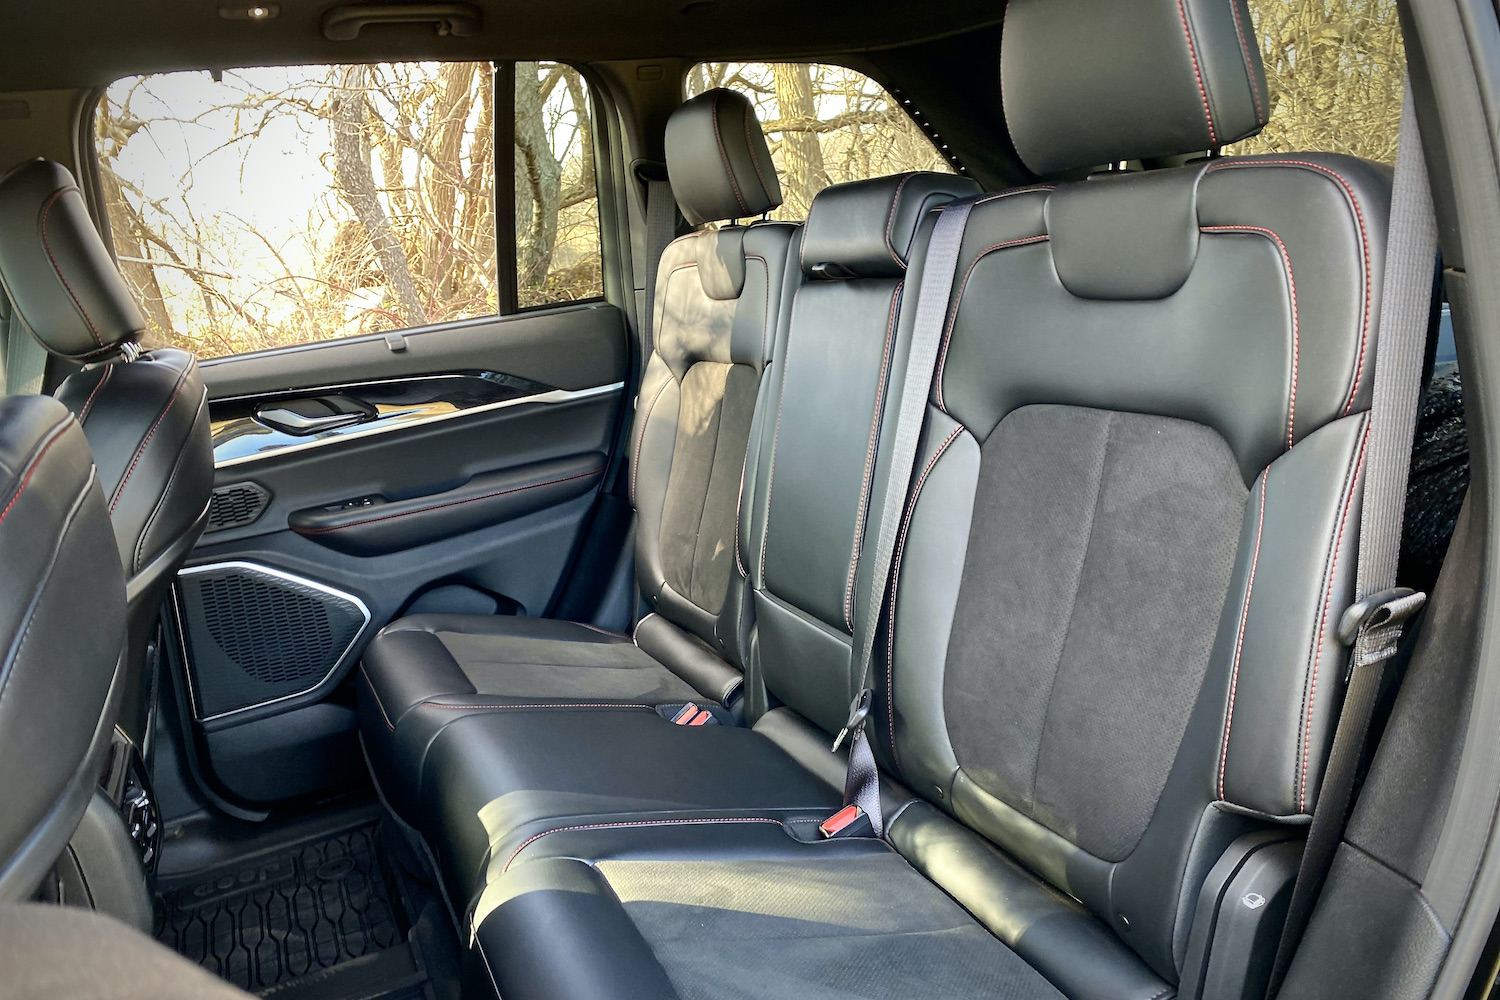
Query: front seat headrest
{"type": "Point", "coordinates": [1090, 82]}
{"type": "Point", "coordinates": [61, 279]}
{"type": "Point", "coordinates": [718, 160]}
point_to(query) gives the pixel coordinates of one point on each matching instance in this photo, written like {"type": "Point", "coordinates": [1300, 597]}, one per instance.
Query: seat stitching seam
{"type": "Point", "coordinates": [57, 269]}
{"type": "Point", "coordinates": [31, 467]}
{"type": "Point", "coordinates": [734, 185]}
{"type": "Point", "coordinates": [958, 299]}
{"type": "Point", "coordinates": [636, 823]}
{"type": "Point", "coordinates": [1286, 260]}
{"type": "Point", "coordinates": [692, 570]}
{"type": "Point", "coordinates": [1359, 364]}
{"type": "Point", "coordinates": [1239, 30]}
{"type": "Point", "coordinates": [739, 498]}
{"type": "Point", "coordinates": [640, 439]}
{"type": "Point", "coordinates": [450, 503]}
{"type": "Point", "coordinates": [775, 443]}
{"type": "Point", "coordinates": [376, 695]}
{"type": "Point", "coordinates": [890, 626]}
{"type": "Point", "coordinates": [161, 501]}
{"type": "Point", "coordinates": [140, 449]}
{"type": "Point", "coordinates": [765, 189]}
{"type": "Point", "coordinates": [1187, 31]}
{"type": "Point", "coordinates": [890, 221]}
{"type": "Point", "coordinates": [1239, 643]}
{"type": "Point", "coordinates": [536, 707]}
{"type": "Point", "coordinates": [1311, 687]}
{"type": "Point", "coordinates": [88, 404]}
{"type": "Point", "coordinates": [864, 489]}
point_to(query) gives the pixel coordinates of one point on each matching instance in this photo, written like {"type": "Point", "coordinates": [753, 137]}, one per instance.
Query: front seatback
{"type": "Point", "coordinates": [812, 484]}
{"type": "Point", "coordinates": [1137, 501]}
{"type": "Point", "coordinates": [145, 415]}
{"type": "Point", "coordinates": [718, 305]}
{"type": "Point", "coordinates": [62, 629]}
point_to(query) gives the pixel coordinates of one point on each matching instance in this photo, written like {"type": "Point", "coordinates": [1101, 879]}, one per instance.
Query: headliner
{"type": "Point", "coordinates": [88, 43]}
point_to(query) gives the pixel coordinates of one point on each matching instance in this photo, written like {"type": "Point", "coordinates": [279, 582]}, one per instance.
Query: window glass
{"type": "Point", "coordinates": [1334, 69]}
{"type": "Point", "coordinates": [825, 125]}
{"type": "Point", "coordinates": [557, 204]}
{"type": "Point", "coordinates": [285, 206]}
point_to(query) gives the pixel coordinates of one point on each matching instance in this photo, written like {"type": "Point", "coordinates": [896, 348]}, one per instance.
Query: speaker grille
{"type": "Point", "coordinates": [253, 636]}
{"type": "Point", "coordinates": [237, 505]}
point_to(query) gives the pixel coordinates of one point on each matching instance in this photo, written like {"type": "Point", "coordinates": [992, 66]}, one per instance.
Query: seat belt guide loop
{"type": "Point", "coordinates": [1372, 626]}
{"type": "Point", "coordinates": [859, 711]}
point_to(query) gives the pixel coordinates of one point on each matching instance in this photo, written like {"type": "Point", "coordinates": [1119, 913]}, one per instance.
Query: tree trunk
{"type": "Point", "coordinates": [539, 173]}
{"type": "Point", "coordinates": [351, 159]}
{"type": "Point", "coordinates": [125, 226]}
{"type": "Point", "coordinates": [802, 169]}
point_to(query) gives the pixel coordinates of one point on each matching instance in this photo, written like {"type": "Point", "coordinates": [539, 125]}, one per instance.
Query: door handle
{"type": "Point", "coordinates": [329, 414]}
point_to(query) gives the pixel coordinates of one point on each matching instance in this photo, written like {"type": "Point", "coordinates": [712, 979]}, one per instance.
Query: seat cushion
{"type": "Point", "coordinates": [495, 781]}
{"type": "Point", "coordinates": [419, 668]}
{"type": "Point", "coordinates": [831, 924]}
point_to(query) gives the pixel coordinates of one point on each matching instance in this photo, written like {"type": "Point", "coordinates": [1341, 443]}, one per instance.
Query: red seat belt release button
{"type": "Point", "coordinates": [686, 715]}
{"type": "Point", "coordinates": [849, 821]}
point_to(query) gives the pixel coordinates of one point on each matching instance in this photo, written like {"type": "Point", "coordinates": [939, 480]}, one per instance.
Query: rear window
{"type": "Point", "coordinates": [825, 125]}
{"type": "Point", "coordinates": [1334, 70]}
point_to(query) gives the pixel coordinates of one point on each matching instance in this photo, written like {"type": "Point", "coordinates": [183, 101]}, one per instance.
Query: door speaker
{"type": "Point", "coordinates": [254, 635]}
{"type": "Point", "coordinates": [237, 505]}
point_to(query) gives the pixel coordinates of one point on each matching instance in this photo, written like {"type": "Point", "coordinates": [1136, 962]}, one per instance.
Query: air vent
{"type": "Point", "coordinates": [237, 505]}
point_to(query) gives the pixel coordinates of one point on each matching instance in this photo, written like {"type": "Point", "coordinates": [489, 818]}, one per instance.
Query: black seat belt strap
{"type": "Point", "coordinates": [661, 229]}
{"type": "Point", "coordinates": [1372, 625]}
{"type": "Point", "coordinates": [862, 784]}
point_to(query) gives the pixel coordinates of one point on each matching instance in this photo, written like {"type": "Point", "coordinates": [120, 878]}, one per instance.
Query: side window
{"type": "Point", "coordinates": [280, 206]}
{"type": "Point", "coordinates": [557, 204]}
{"type": "Point", "coordinates": [825, 125]}
{"type": "Point", "coordinates": [1334, 72]}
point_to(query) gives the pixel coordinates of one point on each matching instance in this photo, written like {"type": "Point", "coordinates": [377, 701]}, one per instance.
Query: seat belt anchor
{"type": "Point", "coordinates": [859, 710]}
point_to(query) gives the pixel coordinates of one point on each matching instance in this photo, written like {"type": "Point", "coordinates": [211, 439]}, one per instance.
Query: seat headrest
{"type": "Point", "coordinates": [1090, 82]}
{"type": "Point", "coordinates": [718, 161]}
{"type": "Point", "coordinates": [864, 229]}
{"type": "Point", "coordinates": [61, 279]}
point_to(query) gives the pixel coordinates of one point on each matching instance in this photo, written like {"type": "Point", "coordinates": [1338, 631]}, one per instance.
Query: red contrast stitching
{"type": "Point", "coordinates": [450, 503]}
{"type": "Point", "coordinates": [640, 438]}
{"type": "Point", "coordinates": [616, 826]}
{"type": "Point", "coordinates": [1359, 215]}
{"type": "Point", "coordinates": [47, 246]}
{"type": "Point", "coordinates": [1239, 642]}
{"type": "Point", "coordinates": [724, 155]}
{"type": "Point", "coordinates": [1312, 685]}
{"type": "Point", "coordinates": [864, 488]}
{"type": "Point", "coordinates": [890, 221]}
{"type": "Point", "coordinates": [754, 162]}
{"type": "Point", "coordinates": [25, 480]}
{"type": "Point", "coordinates": [1213, 137]}
{"type": "Point", "coordinates": [1029, 189]}
{"type": "Point", "coordinates": [958, 300]}
{"type": "Point", "coordinates": [1286, 260]}
{"type": "Point", "coordinates": [88, 404]}
{"type": "Point", "coordinates": [890, 625]}
{"type": "Point", "coordinates": [546, 705]}
{"type": "Point", "coordinates": [1239, 30]}
{"type": "Point", "coordinates": [141, 448]}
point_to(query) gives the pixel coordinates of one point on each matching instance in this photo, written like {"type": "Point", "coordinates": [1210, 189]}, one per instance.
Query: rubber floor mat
{"type": "Point", "coordinates": [264, 921]}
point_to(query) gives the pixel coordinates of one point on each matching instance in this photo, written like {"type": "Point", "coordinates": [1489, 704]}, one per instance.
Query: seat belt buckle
{"type": "Point", "coordinates": [849, 821]}
{"type": "Point", "coordinates": [859, 710]}
{"type": "Point", "coordinates": [1378, 618]}
{"type": "Point", "coordinates": [691, 715]}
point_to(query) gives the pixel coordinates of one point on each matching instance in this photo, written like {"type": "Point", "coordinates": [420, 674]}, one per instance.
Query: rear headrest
{"type": "Point", "coordinates": [718, 161]}
{"type": "Point", "coordinates": [60, 278]}
{"type": "Point", "coordinates": [1090, 82]}
{"type": "Point", "coordinates": [864, 229]}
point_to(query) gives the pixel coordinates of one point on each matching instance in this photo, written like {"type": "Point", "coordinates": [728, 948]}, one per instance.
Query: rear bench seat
{"type": "Point", "coordinates": [718, 306]}
{"type": "Point", "coordinates": [1108, 654]}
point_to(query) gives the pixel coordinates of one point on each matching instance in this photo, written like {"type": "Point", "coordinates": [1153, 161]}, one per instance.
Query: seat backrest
{"type": "Point", "coordinates": [62, 632]}
{"type": "Point", "coordinates": [810, 488]}
{"type": "Point", "coordinates": [145, 414]}
{"type": "Point", "coordinates": [1137, 501]}
{"type": "Point", "coordinates": [719, 300]}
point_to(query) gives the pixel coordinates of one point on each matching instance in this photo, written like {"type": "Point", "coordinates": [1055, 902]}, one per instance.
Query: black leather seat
{"type": "Point", "coordinates": [719, 298]}
{"type": "Point", "coordinates": [1108, 654]}
{"type": "Point", "coordinates": [145, 414]}
{"type": "Point", "coordinates": [62, 630]}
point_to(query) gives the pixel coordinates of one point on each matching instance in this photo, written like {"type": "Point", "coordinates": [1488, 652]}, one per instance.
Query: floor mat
{"type": "Point", "coordinates": [312, 918]}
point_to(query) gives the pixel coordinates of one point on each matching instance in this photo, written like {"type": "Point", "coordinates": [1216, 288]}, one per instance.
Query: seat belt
{"type": "Point", "coordinates": [862, 783]}
{"type": "Point", "coordinates": [661, 229]}
{"type": "Point", "coordinates": [1372, 625]}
